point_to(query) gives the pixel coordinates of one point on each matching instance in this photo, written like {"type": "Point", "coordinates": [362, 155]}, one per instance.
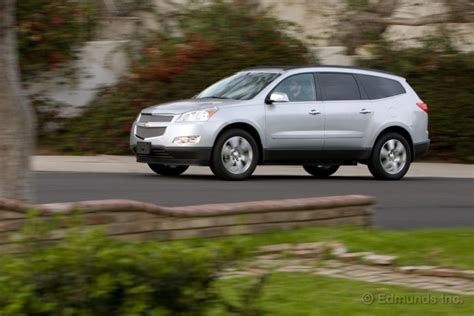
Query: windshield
{"type": "Point", "coordinates": [241, 86]}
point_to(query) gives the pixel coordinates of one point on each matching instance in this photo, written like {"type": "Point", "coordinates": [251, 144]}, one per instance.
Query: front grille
{"type": "Point", "coordinates": [160, 153]}
{"type": "Point", "coordinates": [146, 117]}
{"type": "Point", "coordinates": [147, 132]}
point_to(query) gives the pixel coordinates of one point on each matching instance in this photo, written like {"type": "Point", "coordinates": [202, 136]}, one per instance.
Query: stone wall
{"type": "Point", "coordinates": [133, 220]}
{"type": "Point", "coordinates": [321, 20]}
{"type": "Point", "coordinates": [462, 34]}
{"type": "Point", "coordinates": [100, 63]}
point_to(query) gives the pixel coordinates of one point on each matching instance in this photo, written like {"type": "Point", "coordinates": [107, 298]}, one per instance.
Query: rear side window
{"type": "Point", "coordinates": [338, 86]}
{"type": "Point", "coordinates": [378, 87]}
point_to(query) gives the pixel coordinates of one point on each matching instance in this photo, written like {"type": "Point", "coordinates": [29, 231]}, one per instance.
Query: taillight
{"type": "Point", "coordinates": [423, 106]}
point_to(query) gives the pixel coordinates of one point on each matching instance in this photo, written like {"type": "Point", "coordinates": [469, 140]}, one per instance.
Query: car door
{"type": "Point", "coordinates": [295, 126]}
{"type": "Point", "coordinates": [348, 114]}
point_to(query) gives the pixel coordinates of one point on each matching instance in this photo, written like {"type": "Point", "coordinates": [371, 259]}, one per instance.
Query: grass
{"type": "Point", "coordinates": [452, 247]}
{"type": "Point", "coordinates": [309, 295]}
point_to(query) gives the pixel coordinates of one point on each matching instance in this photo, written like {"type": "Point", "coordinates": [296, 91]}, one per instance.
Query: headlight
{"type": "Point", "coordinates": [197, 116]}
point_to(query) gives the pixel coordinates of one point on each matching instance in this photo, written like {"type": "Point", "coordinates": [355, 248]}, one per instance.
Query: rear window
{"type": "Point", "coordinates": [338, 86]}
{"type": "Point", "coordinates": [378, 87]}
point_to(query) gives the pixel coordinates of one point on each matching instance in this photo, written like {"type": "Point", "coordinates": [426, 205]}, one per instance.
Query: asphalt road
{"type": "Point", "coordinates": [413, 202]}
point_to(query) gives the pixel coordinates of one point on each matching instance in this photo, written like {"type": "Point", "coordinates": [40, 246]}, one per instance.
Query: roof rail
{"type": "Point", "coordinates": [288, 67]}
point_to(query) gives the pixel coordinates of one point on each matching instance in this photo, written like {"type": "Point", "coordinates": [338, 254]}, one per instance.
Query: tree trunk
{"type": "Point", "coordinates": [17, 119]}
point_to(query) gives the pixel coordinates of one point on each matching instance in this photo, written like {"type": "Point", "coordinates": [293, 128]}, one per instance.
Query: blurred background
{"type": "Point", "coordinates": [90, 66]}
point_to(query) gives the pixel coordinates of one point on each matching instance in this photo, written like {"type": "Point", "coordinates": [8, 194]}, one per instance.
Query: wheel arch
{"type": "Point", "coordinates": [399, 130]}
{"type": "Point", "coordinates": [249, 129]}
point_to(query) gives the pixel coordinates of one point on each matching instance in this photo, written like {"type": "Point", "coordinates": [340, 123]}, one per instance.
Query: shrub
{"type": "Point", "coordinates": [92, 275]}
{"type": "Point", "coordinates": [442, 77]}
{"type": "Point", "coordinates": [215, 40]}
{"type": "Point", "coordinates": [50, 32]}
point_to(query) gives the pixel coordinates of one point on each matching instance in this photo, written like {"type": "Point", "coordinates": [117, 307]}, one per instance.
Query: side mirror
{"type": "Point", "coordinates": [278, 97]}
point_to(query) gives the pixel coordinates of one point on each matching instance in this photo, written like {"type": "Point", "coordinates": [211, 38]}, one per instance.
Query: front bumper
{"type": "Point", "coordinates": [164, 151]}
{"type": "Point", "coordinates": [176, 156]}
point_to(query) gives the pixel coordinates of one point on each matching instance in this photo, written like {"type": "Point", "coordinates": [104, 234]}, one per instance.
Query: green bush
{"type": "Point", "coordinates": [50, 32]}
{"type": "Point", "coordinates": [443, 78]}
{"type": "Point", "coordinates": [92, 275]}
{"type": "Point", "coordinates": [215, 40]}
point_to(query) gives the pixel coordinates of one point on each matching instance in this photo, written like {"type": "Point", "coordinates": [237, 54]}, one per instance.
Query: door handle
{"type": "Point", "coordinates": [365, 111]}
{"type": "Point", "coordinates": [314, 112]}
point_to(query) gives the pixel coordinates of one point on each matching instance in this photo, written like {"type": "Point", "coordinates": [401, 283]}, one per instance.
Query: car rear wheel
{"type": "Point", "coordinates": [168, 170]}
{"type": "Point", "coordinates": [320, 171]}
{"type": "Point", "coordinates": [391, 157]}
{"type": "Point", "coordinates": [235, 155]}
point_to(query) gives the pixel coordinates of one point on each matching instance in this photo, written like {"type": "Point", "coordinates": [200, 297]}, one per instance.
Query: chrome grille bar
{"type": "Point", "coordinates": [148, 132]}
{"type": "Point", "coordinates": [146, 118]}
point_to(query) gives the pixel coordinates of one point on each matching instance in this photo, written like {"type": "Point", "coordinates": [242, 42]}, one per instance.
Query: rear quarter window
{"type": "Point", "coordinates": [338, 86]}
{"type": "Point", "coordinates": [378, 87]}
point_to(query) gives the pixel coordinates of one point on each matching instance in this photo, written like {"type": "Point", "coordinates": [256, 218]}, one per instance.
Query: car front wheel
{"type": "Point", "coordinates": [168, 170]}
{"type": "Point", "coordinates": [235, 155]}
{"type": "Point", "coordinates": [391, 157]}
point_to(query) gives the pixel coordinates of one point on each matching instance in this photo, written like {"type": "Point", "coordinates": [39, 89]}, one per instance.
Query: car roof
{"type": "Point", "coordinates": [362, 70]}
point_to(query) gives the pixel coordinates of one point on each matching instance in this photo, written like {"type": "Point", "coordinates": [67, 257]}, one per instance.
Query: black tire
{"type": "Point", "coordinates": [217, 164]}
{"type": "Point", "coordinates": [168, 170]}
{"type": "Point", "coordinates": [377, 160]}
{"type": "Point", "coordinates": [320, 171]}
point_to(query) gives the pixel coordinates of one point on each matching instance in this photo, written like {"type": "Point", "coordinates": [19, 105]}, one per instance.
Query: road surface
{"type": "Point", "coordinates": [414, 202]}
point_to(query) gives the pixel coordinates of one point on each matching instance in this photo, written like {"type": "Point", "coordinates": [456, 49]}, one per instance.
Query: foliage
{"type": "Point", "coordinates": [215, 40]}
{"type": "Point", "coordinates": [357, 4]}
{"type": "Point", "coordinates": [443, 79]}
{"type": "Point", "coordinates": [302, 294]}
{"type": "Point", "coordinates": [50, 32]}
{"type": "Point", "coordinates": [89, 274]}
{"type": "Point", "coordinates": [246, 302]}
{"type": "Point", "coordinates": [47, 114]}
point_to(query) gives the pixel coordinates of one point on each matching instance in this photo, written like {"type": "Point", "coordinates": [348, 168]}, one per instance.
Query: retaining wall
{"type": "Point", "coordinates": [133, 220]}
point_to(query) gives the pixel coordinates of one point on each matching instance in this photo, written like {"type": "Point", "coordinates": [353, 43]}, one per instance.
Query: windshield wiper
{"type": "Point", "coordinates": [214, 97]}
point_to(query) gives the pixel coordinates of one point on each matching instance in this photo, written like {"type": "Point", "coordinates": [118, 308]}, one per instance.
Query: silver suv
{"type": "Point", "coordinates": [319, 117]}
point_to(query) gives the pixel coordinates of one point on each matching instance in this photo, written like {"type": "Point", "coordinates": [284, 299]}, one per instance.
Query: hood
{"type": "Point", "coordinates": [179, 107]}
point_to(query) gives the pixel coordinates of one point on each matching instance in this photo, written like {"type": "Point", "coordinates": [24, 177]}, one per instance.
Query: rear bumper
{"type": "Point", "coordinates": [420, 149]}
{"type": "Point", "coordinates": [176, 156]}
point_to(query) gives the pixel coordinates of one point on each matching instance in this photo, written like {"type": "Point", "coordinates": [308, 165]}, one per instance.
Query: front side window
{"type": "Point", "coordinates": [378, 87]}
{"type": "Point", "coordinates": [338, 86]}
{"type": "Point", "coordinates": [298, 88]}
{"type": "Point", "coordinates": [241, 86]}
